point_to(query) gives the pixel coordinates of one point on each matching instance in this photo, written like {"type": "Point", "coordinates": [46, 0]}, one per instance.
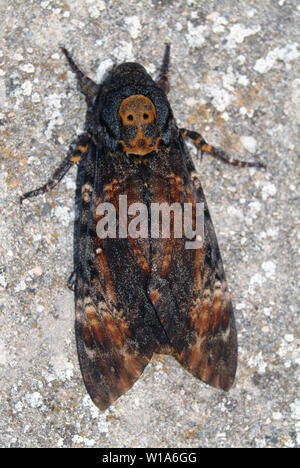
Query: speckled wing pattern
{"type": "Point", "coordinates": [139, 296]}
{"type": "Point", "coordinates": [188, 287]}
{"type": "Point", "coordinates": [116, 326]}
{"type": "Point", "coordinates": [211, 353]}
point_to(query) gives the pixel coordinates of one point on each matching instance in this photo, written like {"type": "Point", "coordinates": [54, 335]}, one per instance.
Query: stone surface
{"type": "Point", "coordinates": [235, 73]}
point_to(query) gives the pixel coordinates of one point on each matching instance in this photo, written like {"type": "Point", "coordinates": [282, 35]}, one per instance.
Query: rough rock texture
{"type": "Point", "coordinates": [235, 78]}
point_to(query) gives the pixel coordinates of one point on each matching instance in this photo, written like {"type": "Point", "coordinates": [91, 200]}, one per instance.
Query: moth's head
{"type": "Point", "coordinates": [133, 111]}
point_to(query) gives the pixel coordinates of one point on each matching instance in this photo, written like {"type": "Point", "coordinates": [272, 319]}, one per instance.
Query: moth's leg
{"type": "Point", "coordinates": [71, 280]}
{"type": "Point", "coordinates": [163, 78]}
{"type": "Point", "coordinates": [73, 157]}
{"type": "Point", "coordinates": [87, 86]}
{"type": "Point", "coordinates": [204, 147]}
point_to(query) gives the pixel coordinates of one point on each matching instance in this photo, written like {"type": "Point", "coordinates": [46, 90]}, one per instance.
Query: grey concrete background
{"type": "Point", "coordinates": [235, 78]}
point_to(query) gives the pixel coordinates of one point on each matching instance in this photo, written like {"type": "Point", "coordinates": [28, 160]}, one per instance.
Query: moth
{"type": "Point", "coordinates": [134, 295]}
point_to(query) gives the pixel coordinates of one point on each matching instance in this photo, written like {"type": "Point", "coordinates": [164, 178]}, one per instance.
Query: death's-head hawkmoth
{"type": "Point", "coordinates": [138, 292]}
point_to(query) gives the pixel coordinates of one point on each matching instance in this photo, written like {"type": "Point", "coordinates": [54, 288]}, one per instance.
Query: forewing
{"type": "Point", "coordinates": [113, 316]}
{"type": "Point", "coordinates": [211, 354]}
{"type": "Point", "coordinates": [190, 293]}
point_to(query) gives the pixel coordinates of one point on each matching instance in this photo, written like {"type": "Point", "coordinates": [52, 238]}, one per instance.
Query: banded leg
{"type": "Point", "coordinates": [163, 78]}
{"type": "Point", "coordinates": [87, 86]}
{"type": "Point", "coordinates": [203, 146]}
{"type": "Point", "coordinates": [73, 157]}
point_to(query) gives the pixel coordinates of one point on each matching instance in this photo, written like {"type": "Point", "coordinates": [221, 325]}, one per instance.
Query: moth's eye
{"type": "Point", "coordinates": [130, 117]}
{"type": "Point", "coordinates": [145, 116]}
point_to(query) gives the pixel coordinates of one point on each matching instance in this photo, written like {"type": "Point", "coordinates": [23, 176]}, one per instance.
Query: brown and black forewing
{"type": "Point", "coordinates": [211, 354]}
{"type": "Point", "coordinates": [116, 324]}
{"type": "Point", "coordinates": [189, 290]}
